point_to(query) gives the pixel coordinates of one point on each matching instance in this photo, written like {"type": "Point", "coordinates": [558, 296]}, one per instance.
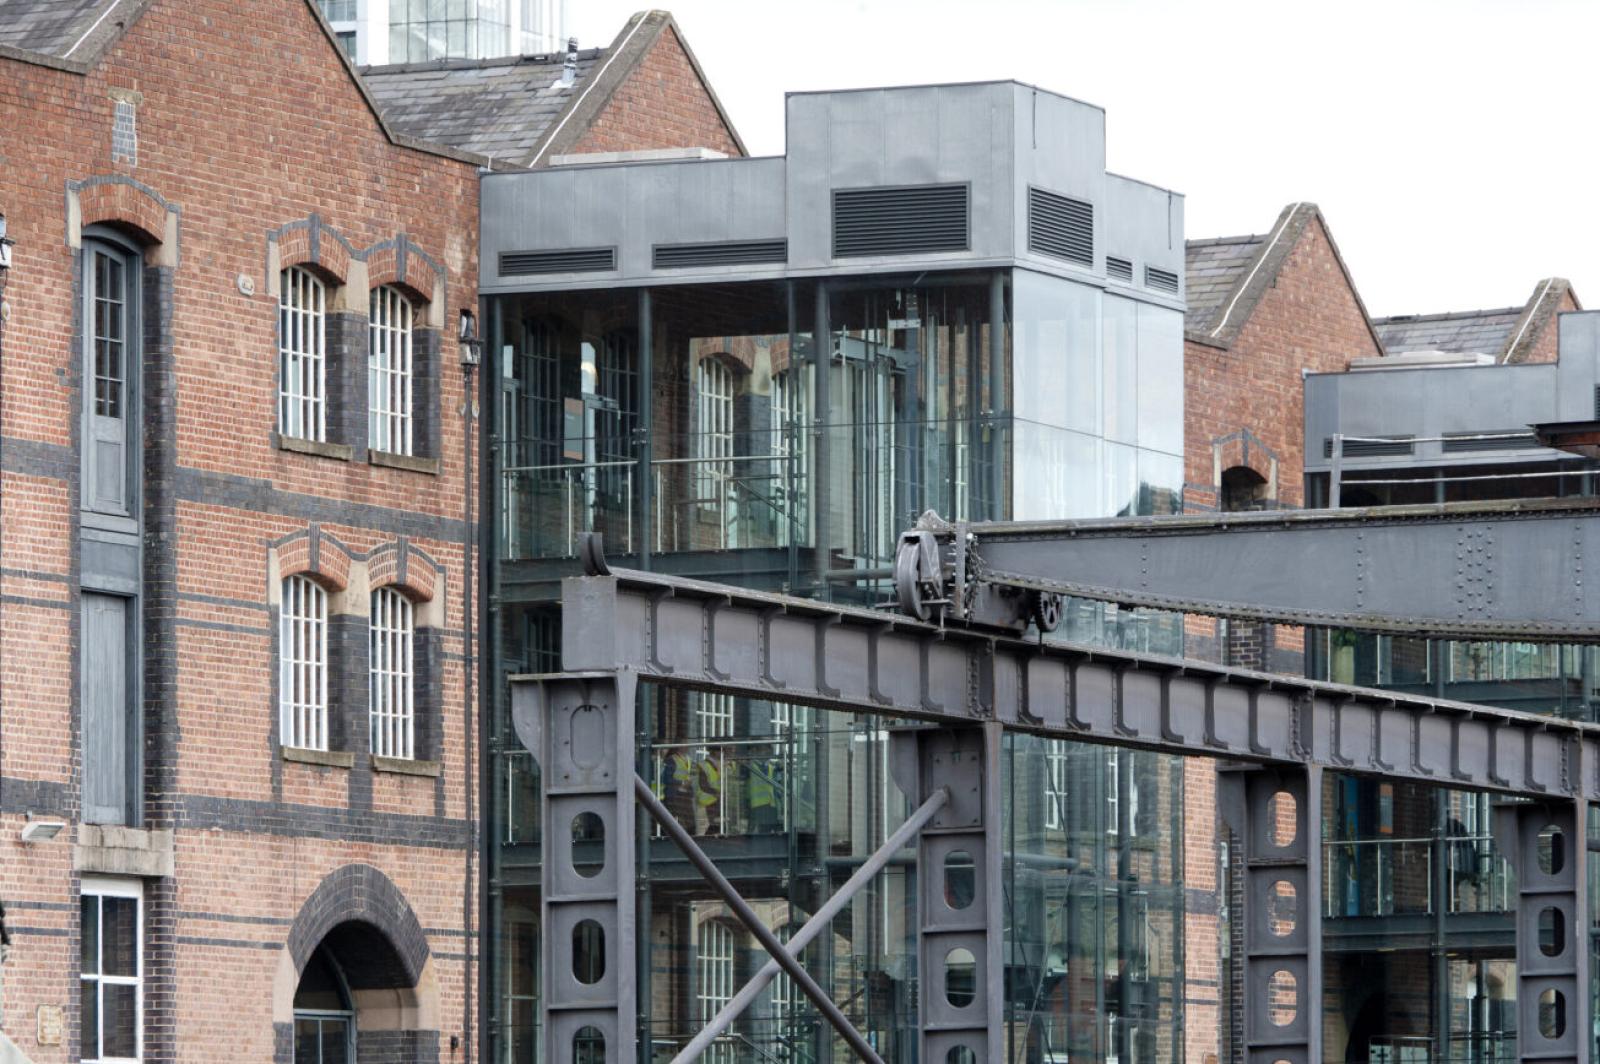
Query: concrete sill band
{"type": "Point", "coordinates": [404, 461]}
{"type": "Point", "coordinates": [340, 452]}
{"type": "Point", "coordinates": [327, 758]}
{"type": "Point", "coordinates": [121, 851]}
{"type": "Point", "coordinates": [404, 767]}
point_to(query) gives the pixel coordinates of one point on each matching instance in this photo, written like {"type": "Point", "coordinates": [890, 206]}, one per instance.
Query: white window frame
{"type": "Point", "coordinates": [98, 887]}
{"type": "Point", "coordinates": [390, 706]}
{"type": "Point", "coordinates": [303, 664]}
{"type": "Point", "coordinates": [713, 961]}
{"type": "Point", "coordinates": [302, 355]}
{"type": "Point", "coordinates": [390, 375]}
{"type": "Point", "coordinates": [713, 715]}
{"type": "Point", "coordinates": [714, 430]}
{"type": "Point", "coordinates": [1055, 784]}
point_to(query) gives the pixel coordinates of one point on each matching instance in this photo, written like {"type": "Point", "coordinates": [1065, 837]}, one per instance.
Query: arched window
{"type": "Point", "coordinates": [303, 665]}
{"type": "Point", "coordinates": [302, 351]}
{"type": "Point", "coordinates": [389, 371]}
{"type": "Point", "coordinates": [714, 981]}
{"type": "Point", "coordinates": [714, 430]}
{"type": "Point", "coordinates": [390, 698]}
{"type": "Point", "coordinates": [324, 1016]}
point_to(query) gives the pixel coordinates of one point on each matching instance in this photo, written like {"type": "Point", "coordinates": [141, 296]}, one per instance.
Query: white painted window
{"type": "Point", "coordinates": [389, 375]}
{"type": "Point", "coordinates": [303, 665]}
{"type": "Point", "coordinates": [1118, 762]}
{"type": "Point", "coordinates": [714, 431]}
{"type": "Point", "coordinates": [1055, 784]}
{"type": "Point", "coordinates": [390, 672]}
{"type": "Point", "coordinates": [302, 355]}
{"type": "Point", "coordinates": [111, 979]}
{"type": "Point", "coordinates": [713, 716]}
{"type": "Point", "coordinates": [791, 415]}
{"type": "Point", "coordinates": [714, 981]}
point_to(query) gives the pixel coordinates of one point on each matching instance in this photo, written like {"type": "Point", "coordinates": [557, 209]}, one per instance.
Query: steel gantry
{"type": "Point", "coordinates": [956, 688]}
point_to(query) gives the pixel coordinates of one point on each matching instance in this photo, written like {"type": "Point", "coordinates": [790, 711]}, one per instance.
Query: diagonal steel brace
{"type": "Point", "coordinates": [752, 922]}
{"type": "Point", "coordinates": [815, 926]}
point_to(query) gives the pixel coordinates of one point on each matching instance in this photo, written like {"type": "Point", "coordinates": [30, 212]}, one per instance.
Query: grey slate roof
{"type": "Point", "coordinates": [65, 30]}
{"type": "Point", "coordinates": [495, 107]}
{"type": "Point", "coordinates": [1212, 270]}
{"type": "Point", "coordinates": [1484, 332]}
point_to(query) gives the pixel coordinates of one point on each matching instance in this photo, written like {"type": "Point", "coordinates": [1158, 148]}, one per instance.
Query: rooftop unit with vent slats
{"type": "Point", "coordinates": [922, 178]}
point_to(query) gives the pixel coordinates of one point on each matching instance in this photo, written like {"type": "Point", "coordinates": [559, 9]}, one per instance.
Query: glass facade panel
{"type": "Point", "coordinates": [768, 459]}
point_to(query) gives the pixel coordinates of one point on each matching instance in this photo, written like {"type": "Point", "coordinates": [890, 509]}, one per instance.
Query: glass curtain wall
{"type": "Point", "coordinates": [704, 430]}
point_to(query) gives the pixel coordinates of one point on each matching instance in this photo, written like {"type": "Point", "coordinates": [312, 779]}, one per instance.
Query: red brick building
{"type": "Point", "coordinates": [237, 723]}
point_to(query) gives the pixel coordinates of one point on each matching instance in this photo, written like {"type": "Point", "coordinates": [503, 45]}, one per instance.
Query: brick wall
{"type": "Point", "coordinates": [662, 104]}
{"type": "Point", "coordinates": [248, 125]}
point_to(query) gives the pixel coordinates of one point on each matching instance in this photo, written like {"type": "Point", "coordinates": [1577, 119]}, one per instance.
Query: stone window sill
{"type": "Point", "coordinates": [339, 452]}
{"type": "Point", "coordinates": [404, 766]}
{"type": "Point", "coordinates": [404, 461]}
{"type": "Point", "coordinates": [326, 758]}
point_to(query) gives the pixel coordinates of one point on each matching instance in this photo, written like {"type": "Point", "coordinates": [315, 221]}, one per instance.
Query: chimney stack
{"type": "Point", "coordinates": [569, 70]}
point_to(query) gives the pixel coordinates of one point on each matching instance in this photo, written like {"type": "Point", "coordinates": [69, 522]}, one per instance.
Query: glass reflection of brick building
{"type": "Point", "coordinates": [760, 371]}
{"type": "Point", "coordinates": [1419, 946]}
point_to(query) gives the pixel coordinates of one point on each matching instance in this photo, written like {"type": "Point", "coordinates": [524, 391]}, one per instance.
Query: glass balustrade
{"type": "Point", "coordinates": [1388, 877]}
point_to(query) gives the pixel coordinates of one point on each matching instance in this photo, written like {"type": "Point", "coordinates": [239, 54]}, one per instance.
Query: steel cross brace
{"type": "Point", "coordinates": [753, 923]}
{"type": "Point", "coordinates": [815, 926]}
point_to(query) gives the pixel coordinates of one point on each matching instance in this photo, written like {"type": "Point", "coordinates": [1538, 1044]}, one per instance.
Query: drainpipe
{"type": "Point", "coordinates": [471, 353]}
{"type": "Point", "coordinates": [5, 271]}
{"type": "Point", "coordinates": [822, 360]}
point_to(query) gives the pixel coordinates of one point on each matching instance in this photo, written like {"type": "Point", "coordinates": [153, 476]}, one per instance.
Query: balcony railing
{"type": "Point", "coordinates": [729, 787]}
{"type": "Point", "coordinates": [1387, 877]}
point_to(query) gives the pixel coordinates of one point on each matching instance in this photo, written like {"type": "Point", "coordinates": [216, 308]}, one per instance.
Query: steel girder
{"type": "Point", "coordinates": [797, 650]}
{"type": "Point", "coordinates": [1513, 570]}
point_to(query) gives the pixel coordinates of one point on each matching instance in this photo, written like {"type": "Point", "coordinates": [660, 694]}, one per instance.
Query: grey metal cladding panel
{"type": "Point", "coordinates": [1143, 224]}
{"type": "Point", "coordinates": [631, 207]}
{"type": "Point", "coordinates": [909, 136]}
{"type": "Point", "coordinates": [1428, 402]}
{"type": "Point", "coordinates": [1060, 147]}
{"type": "Point", "coordinates": [1578, 369]}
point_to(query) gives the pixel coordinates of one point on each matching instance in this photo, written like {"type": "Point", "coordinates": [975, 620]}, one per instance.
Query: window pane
{"type": "Point", "coordinates": [90, 937]}
{"type": "Point", "coordinates": [120, 932]}
{"type": "Point", "coordinates": [89, 1031]}
{"type": "Point", "coordinates": [335, 1042]}
{"type": "Point", "coordinates": [119, 1035]}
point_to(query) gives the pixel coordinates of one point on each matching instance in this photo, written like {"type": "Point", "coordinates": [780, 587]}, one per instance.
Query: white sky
{"type": "Point", "coordinates": [1452, 144]}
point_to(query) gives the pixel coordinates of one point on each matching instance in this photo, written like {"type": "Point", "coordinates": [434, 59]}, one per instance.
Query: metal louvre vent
{"type": "Point", "coordinates": [903, 220]}
{"type": "Point", "coordinates": [1119, 270]}
{"type": "Point", "coordinates": [1386, 447]}
{"type": "Point", "coordinates": [1161, 280]}
{"type": "Point", "coordinates": [719, 253]}
{"type": "Point", "coordinates": [1597, 402]}
{"type": "Point", "coordinates": [1504, 440]}
{"type": "Point", "coordinates": [1060, 227]}
{"type": "Point", "coordinates": [561, 260]}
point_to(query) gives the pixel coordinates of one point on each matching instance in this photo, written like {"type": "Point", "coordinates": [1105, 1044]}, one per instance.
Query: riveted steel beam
{"type": "Point", "coordinates": [960, 914]}
{"type": "Point", "coordinates": [580, 729]}
{"type": "Point", "coordinates": [1545, 841]}
{"type": "Point", "coordinates": [1277, 815]}
{"type": "Point", "coordinates": [712, 636]}
{"type": "Point", "coordinates": [1514, 570]}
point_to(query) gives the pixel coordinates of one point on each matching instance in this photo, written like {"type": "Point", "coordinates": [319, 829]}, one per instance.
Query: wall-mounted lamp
{"type": "Point", "coordinates": [41, 830]}
{"type": "Point", "coordinates": [5, 245]}
{"type": "Point", "coordinates": [471, 346]}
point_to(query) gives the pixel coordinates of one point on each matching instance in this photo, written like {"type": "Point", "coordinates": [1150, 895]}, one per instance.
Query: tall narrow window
{"type": "Point", "coordinates": [302, 355]}
{"type": "Point", "coordinates": [303, 665]}
{"type": "Point", "coordinates": [111, 971]}
{"type": "Point", "coordinates": [110, 358]}
{"type": "Point", "coordinates": [1055, 784]}
{"type": "Point", "coordinates": [390, 696]}
{"type": "Point", "coordinates": [389, 376]}
{"type": "Point", "coordinates": [714, 969]}
{"type": "Point", "coordinates": [714, 432]}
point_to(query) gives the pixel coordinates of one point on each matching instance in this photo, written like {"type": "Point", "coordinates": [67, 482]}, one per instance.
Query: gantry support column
{"type": "Point", "coordinates": [960, 895]}
{"type": "Point", "coordinates": [580, 728]}
{"type": "Point", "coordinates": [1282, 867]}
{"type": "Point", "coordinates": [1546, 843]}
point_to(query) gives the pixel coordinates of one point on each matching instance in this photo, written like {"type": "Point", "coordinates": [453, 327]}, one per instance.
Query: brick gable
{"type": "Point", "coordinates": [664, 103]}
